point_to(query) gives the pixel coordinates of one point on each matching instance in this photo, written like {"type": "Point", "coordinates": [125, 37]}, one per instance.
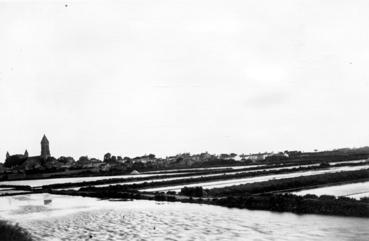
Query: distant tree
{"type": "Point", "coordinates": [243, 156]}
{"type": "Point", "coordinates": [151, 156]}
{"type": "Point", "coordinates": [223, 156]}
{"type": "Point", "coordinates": [83, 159]}
{"type": "Point", "coordinates": [107, 157]}
{"type": "Point", "coordinates": [179, 159]}
{"type": "Point", "coordinates": [233, 155]}
{"type": "Point", "coordinates": [65, 160]}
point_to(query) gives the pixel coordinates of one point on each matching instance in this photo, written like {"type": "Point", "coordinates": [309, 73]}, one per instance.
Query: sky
{"type": "Point", "coordinates": [134, 77]}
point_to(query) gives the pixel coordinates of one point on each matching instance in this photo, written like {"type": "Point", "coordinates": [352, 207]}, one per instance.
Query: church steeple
{"type": "Point", "coordinates": [44, 140]}
{"type": "Point", "coordinates": [45, 151]}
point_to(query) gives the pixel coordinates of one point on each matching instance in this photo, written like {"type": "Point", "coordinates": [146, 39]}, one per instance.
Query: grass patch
{"type": "Point", "coordinates": [10, 232]}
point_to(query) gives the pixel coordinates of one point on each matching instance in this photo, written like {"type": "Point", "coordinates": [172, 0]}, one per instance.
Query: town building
{"type": "Point", "coordinates": [29, 162]}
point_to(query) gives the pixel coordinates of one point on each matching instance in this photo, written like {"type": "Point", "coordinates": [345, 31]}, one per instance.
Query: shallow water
{"type": "Point", "coordinates": [354, 190]}
{"type": "Point", "coordinates": [41, 182]}
{"type": "Point", "coordinates": [52, 217]}
{"type": "Point", "coordinates": [226, 183]}
{"type": "Point", "coordinates": [206, 175]}
{"type": "Point", "coordinates": [197, 176]}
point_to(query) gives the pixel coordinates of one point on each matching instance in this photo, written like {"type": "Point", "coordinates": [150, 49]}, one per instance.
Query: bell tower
{"type": "Point", "coordinates": [45, 151]}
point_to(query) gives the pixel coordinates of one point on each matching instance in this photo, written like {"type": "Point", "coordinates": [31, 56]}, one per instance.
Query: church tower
{"type": "Point", "coordinates": [45, 151]}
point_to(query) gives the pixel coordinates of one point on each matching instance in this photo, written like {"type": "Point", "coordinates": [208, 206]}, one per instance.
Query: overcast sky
{"type": "Point", "coordinates": [164, 77]}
